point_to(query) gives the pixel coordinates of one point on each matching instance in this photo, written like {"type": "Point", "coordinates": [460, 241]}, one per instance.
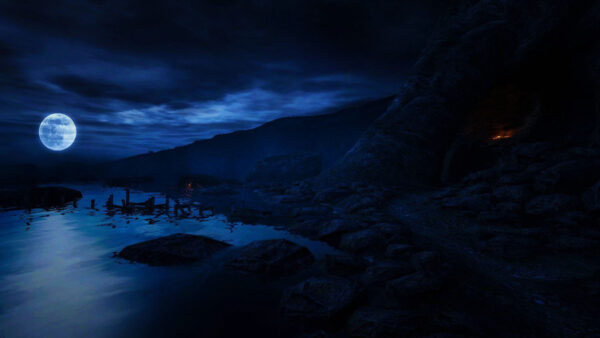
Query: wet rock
{"type": "Point", "coordinates": [361, 241]}
{"type": "Point", "coordinates": [345, 265]}
{"type": "Point", "coordinates": [380, 323]}
{"type": "Point", "coordinates": [319, 299]}
{"type": "Point", "coordinates": [274, 257]}
{"type": "Point", "coordinates": [172, 250]}
{"type": "Point", "coordinates": [414, 287]}
{"type": "Point", "coordinates": [399, 250]}
{"type": "Point", "coordinates": [311, 211]}
{"type": "Point", "coordinates": [551, 204]}
{"type": "Point", "coordinates": [383, 272]}
{"type": "Point", "coordinates": [568, 176]}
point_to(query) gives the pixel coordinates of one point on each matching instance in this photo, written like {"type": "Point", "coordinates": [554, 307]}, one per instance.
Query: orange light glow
{"type": "Point", "coordinates": [503, 134]}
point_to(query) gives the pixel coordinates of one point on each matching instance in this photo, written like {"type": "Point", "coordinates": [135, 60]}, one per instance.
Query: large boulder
{"type": "Point", "coordinates": [319, 299]}
{"type": "Point", "coordinates": [363, 240]}
{"type": "Point", "coordinates": [172, 250]}
{"type": "Point", "coordinates": [273, 257]}
{"type": "Point", "coordinates": [568, 176]}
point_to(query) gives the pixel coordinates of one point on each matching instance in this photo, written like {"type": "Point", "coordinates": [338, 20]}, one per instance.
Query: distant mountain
{"type": "Point", "coordinates": [234, 155]}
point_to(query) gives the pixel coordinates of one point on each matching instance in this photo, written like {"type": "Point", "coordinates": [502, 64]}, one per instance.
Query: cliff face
{"type": "Point", "coordinates": [512, 69]}
{"type": "Point", "coordinates": [234, 155]}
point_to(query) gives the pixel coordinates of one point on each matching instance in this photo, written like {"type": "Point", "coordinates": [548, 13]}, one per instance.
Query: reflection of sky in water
{"type": "Point", "coordinates": [58, 277]}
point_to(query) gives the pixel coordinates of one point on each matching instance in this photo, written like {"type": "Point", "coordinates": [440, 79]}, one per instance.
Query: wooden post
{"type": "Point", "coordinates": [93, 204]}
{"type": "Point", "coordinates": [74, 203]}
{"type": "Point", "coordinates": [124, 204]}
{"type": "Point", "coordinates": [110, 202]}
{"type": "Point", "coordinates": [150, 203]}
{"type": "Point", "coordinates": [176, 208]}
{"type": "Point", "coordinates": [127, 197]}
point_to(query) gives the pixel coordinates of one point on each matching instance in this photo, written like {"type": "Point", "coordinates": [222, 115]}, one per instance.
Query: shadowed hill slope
{"type": "Point", "coordinates": [234, 155]}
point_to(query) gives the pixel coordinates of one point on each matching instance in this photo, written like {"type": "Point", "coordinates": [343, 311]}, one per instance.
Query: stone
{"type": "Point", "coordinates": [568, 176]}
{"type": "Point", "coordinates": [363, 240]}
{"type": "Point", "coordinates": [360, 202]}
{"type": "Point", "coordinates": [272, 257]}
{"type": "Point", "coordinates": [383, 272]}
{"type": "Point", "coordinates": [417, 286]}
{"type": "Point", "coordinates": [174, 249]}
{"type": "Point", "coordinates": [591, 198]}
{"type": "Point", "coordinates": [399, 250]}
{"type": "Point", "coordinates": [334, 229]}
{"type": "Point", "coordinates": [479, 202]}
{"type": "Point", "coordinates": [513, 193]}
{"type": "Point", "coordinates": [345, 265]}
{"type": "Point", "coordinates": [286, 168]}
{"type": "Point", "coordinates": [380, 323]}
{"type": "Point", "coordinates": [551, 204]}
{"type": "Point", "coordinates": [319, 299]}
{"type": "Point", "coordinates": [426, 260]}
{"type": "Point", "coordinates": [332, 194]}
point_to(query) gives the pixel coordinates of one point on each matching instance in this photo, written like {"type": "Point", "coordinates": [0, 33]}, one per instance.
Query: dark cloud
{"type": "Point", "coordinates": [138, 71]}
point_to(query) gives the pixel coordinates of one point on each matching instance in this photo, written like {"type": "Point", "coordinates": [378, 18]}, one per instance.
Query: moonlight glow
{"type": "Point", "coordinates": [57, 132]}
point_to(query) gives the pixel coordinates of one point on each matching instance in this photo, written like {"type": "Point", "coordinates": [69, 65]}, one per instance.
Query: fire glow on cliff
{"type": "Point", "coordinates": [503, 134]}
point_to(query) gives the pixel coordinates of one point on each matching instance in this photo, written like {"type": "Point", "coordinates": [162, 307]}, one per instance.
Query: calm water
{"type": "Point", "coordinates": [58, 276]}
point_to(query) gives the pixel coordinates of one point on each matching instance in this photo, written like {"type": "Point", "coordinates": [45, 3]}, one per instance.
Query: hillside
{"type": "Point", "coordinates": [233, 155]}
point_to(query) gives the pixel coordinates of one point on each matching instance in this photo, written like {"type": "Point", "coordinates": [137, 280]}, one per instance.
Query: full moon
{"type": "Point", "coordinates": [57, 132]}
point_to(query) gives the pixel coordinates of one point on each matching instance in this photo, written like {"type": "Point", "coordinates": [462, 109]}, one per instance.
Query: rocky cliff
{"type": "Point", "coordinates": [509, 69]}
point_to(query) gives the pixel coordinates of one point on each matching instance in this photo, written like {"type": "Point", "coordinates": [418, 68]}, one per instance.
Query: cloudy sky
{"type": "Point", "coordinates": [148, 75]}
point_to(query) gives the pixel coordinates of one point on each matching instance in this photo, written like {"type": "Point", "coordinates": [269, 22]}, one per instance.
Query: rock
{"type": "Point", "coordinates": [426, 260]}
{"type": "Point", "coordinates": [513, 193]}
{"type": "Point", "coordinates": [479, 202]}
{"type": "Point", "coordinates": [568, 176]}
{"type": "Point", "coordinates": [513, 247]}
{"type": "Point", "coordinates": [273, 257]}
{"type": "Point", "coordinates": [172, 250]}
{"type": "Point", "coordinates": [334, 229]}
{"type": "Point", "coordinates": [591, 198]}
{"type": "Point", "coordinates": [311, 211]}
{"type": "Point", "coordinates": [551, 204]}
{"type": "Point", "coordinates": [332, 194]}
{"type": "Point", "coordinates": [286, 168]}
{"type": "Point", "coordinates": [475, 189]}
{"type": "Point", "coordinates": [414, 287]}
{"type": "Point", "coordinates": [361, 202]}
{"type": "Point", "coordinates": [361, 241]}
{"type": "Point", "coordinates": [345, 265]}
{"type": "Point", "coordinates": [380, 323]}
{"type": "Point", "coordinates": [319, 299]}
{"type": "Point", "coordinates": [399, 250]}
{"type": "Point", "coordinates": [383, 272]}
{"type": "Point", "coordinates": [531, 151]}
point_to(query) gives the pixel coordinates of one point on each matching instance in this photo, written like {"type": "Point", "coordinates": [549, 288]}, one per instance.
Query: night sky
{"type": "Point", "coordinates": [137, 76]}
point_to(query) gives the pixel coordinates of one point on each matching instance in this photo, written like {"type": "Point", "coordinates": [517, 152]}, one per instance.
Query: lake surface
{"type": "Point", "coordinates": [58, 276]}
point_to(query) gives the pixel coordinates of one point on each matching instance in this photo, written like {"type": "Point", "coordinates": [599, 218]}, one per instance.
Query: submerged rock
{"type": "Point", "coordinates": [319, 298]}
{"type": "Point", "coordinates": [172, 250]}
{"type": "Point", "coordinates": [274, 257]}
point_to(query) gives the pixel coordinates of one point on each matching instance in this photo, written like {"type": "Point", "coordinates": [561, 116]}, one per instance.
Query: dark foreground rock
{"type": "Point", "coordinates": [319, 299]}
{"type": "Point", "coordinates": [380, 323]}
{"type": "Point", "coordinates": [273, 257]}
{"type": "Point", "coordinates": [175, 249]}
{"type": "Point", "coordinates": [41, 197]}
